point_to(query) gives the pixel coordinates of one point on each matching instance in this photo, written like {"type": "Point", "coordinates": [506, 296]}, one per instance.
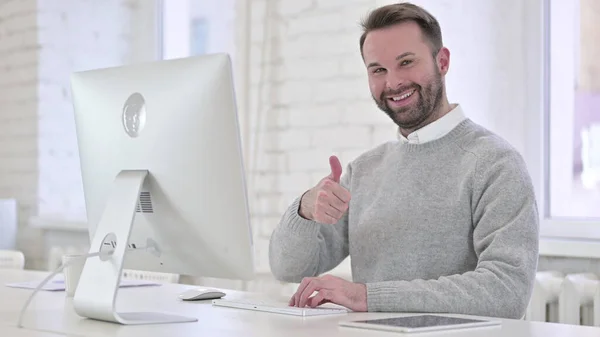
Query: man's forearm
{"type": "Point", "coordinates": [302, 248]}
{"type": "Point", "coordinates": [293, 253]}
{"type": "Point", "coordinates": [484, 292]}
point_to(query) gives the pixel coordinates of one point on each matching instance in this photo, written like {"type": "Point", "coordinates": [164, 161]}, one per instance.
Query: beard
{"type": "Point", "coordinates": [412, 116]}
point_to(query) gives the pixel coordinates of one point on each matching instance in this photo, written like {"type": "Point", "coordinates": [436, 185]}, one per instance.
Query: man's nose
{"type": "Point", "coordinates": [394, 80]}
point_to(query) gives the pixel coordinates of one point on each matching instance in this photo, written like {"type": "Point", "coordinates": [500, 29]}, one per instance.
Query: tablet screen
{"type": "Point", "coordinates": [422, 321]}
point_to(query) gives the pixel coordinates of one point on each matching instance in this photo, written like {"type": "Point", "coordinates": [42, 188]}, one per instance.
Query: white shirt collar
{"type": "Point", "coordinates": [435, 130]}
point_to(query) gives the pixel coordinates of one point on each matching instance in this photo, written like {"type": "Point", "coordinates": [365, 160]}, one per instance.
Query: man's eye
{"type": "Point", "coordinates": [378, 70]}
{"type": "Point", "coordinates": [406, 62]}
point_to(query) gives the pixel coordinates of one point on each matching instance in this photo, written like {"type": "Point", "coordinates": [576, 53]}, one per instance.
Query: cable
{"type": "Point", "coordinates": [50, 277]}
{"type": "Point", "coordinates": [149, 246]}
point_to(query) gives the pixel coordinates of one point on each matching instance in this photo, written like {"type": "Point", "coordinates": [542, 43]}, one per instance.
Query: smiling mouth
{"type": "Point", "coordinates": [402, 96]}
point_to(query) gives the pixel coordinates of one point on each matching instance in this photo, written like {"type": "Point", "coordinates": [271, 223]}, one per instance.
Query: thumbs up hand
{"type": "Point", "coordinates": [328, 201]}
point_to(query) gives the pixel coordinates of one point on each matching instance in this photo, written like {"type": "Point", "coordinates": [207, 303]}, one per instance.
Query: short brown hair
{"type": "Point", "coordinates": [394, 14]}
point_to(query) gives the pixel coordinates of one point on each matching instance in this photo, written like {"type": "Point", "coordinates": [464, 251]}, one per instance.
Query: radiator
{"type": "Point", "coordinates": [569, 299]}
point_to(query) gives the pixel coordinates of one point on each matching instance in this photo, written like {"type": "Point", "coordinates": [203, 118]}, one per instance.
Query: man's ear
{"type": "Point", "coordinates": [443, 60]}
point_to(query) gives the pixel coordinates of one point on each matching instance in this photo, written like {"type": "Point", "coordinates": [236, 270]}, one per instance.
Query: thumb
{"type": "Point", "coordinates": [336, 169]}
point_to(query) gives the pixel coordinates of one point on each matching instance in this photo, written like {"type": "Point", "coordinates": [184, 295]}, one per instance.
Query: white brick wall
{"type": "Point", "coordinates": [18, 111]}
{"type": "Point", "coordinates": [75, 36]}
{"type": "Point", "coordinates": [304, 61]}
{"type": "Point", "coordinates": [315, 100]}
{"type": "Point", "coordinates": [41, 43]}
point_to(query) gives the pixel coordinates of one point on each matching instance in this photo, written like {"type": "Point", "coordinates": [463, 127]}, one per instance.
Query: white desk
{"type": "Point", "coordinates": [10, 331]}
{"type": "Point", "coordinates": [52, 313]}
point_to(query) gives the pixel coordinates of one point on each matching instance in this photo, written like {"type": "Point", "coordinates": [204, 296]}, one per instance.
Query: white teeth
{"type": "Point", "coordinates": [398, 98]}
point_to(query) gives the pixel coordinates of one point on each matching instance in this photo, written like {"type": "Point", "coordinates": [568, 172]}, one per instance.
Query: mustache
{"type": "Point", "coordinates": [399, 90]}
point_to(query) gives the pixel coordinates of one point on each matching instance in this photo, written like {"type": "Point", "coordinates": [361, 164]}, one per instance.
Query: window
{"type": "Point", "coordinates": [195, 27]}
{"type": "Point", "coordinates": [569, 187]}
{"type": "Point", "coordinates": [574, 110]}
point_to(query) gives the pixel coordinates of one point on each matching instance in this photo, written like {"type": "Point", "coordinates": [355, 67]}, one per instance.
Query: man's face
{"type": "Point", "coordinates": [405, 79]}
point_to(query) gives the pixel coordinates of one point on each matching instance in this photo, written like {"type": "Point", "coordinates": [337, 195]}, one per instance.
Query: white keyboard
{"type": "Point", "coordinates": [278, 308]}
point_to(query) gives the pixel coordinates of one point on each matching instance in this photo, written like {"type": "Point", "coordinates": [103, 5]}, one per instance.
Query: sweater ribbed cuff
{"type": "Point", "coordinates": [379, 296]}
{"type": "Point", "coordinates": [298, 225]}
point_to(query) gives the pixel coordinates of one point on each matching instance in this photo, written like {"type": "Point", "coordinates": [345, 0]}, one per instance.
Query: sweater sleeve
{"type": "Point", "coordinates": [505, 239]}
{"type": "Point", "coordinates": [301, 248]}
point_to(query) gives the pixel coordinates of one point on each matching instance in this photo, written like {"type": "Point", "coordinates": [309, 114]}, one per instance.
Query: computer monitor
{"type": "Point", "coordinates": [163, 177]}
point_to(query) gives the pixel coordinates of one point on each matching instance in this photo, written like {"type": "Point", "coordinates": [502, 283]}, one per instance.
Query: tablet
{"type": "Point", "coordinates": [420, 323]}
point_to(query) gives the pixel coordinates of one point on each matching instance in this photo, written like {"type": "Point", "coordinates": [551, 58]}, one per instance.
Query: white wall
{"type": "Point", "coordinates": [310, 98]}
{"type": "Point", "coordinates": [304, 62]}
{"type": "Point", "coordinates": [18, 110]}
{"type": "Point", "coordinates": [41, 43]}
{"type": "Point", "coordinates": [74, 36]}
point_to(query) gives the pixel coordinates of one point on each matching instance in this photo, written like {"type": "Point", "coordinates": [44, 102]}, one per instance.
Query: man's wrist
{"type": "Point", "coordinates": [362, 297]}
{"type": "Point", "coordinates": [300, 212]}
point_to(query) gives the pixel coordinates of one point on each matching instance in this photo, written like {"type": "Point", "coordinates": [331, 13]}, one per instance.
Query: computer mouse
{"type": "Point", "coordinates": [196, 294]}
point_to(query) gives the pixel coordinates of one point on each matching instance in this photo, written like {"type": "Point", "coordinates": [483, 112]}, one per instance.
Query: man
{"type": "Point", "coordinates": [442, 220]}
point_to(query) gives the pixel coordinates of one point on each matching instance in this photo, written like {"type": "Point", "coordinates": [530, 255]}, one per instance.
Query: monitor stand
{"type": "Point", "coordinates": [96, 293]}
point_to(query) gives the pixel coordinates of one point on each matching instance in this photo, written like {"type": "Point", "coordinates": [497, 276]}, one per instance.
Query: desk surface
{"type": "Point", "coordinates": [52, 315]}
{"type": "Point", "coordinates": [11, 331]}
